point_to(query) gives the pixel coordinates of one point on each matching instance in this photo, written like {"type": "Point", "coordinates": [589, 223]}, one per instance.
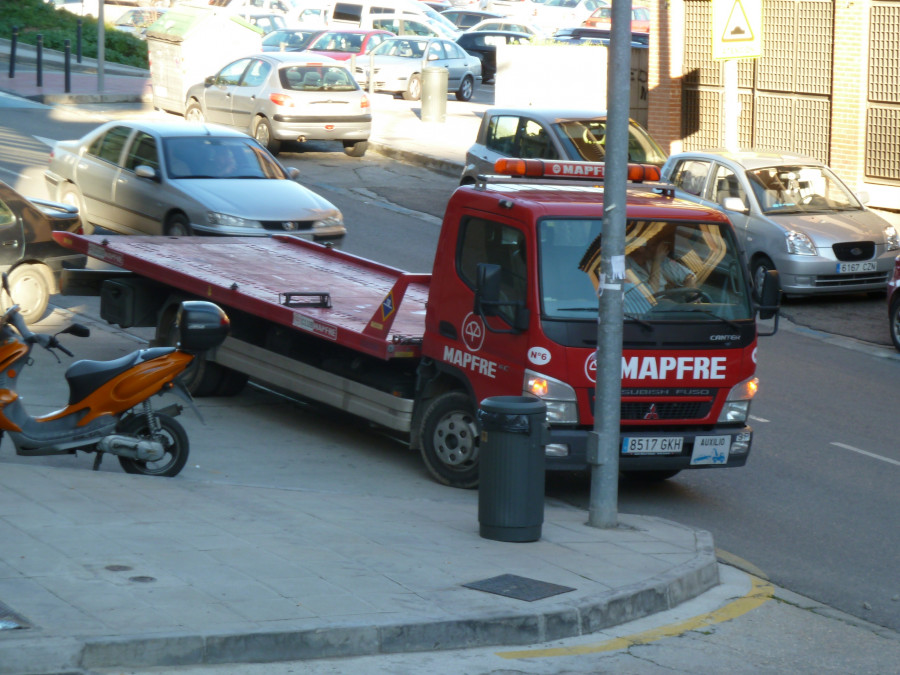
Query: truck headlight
{"type": "Point", "coordinates": [562, 405]}
{"type": "Point", "coordinates": [891, 238]}
{"type": "Point", "coordinates": [226, 220]}
{"type": "Point", "coordinates": [737, 404]}
{"type": "Point", "coordinates": [799, 243]}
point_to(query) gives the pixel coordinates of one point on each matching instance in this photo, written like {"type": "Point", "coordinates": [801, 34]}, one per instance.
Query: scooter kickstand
{"type": "Point", "coordinates": [97, 459]}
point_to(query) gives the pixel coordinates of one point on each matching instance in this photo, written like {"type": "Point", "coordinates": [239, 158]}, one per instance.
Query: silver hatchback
{"type": "Point", "coordinates": [284, 96]}
{"type": "Point", "coordinates": [793, 214]}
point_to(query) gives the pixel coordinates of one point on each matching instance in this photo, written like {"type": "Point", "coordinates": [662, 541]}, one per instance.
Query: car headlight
{"type": "Point", "coordinates": [737, 404]}
{"type": "Point", "coordinates": [562, 406]}
{"type": "Point", "coordinates": [334, 220]}
{"type": "Point", "coordinates": [799, 243]}
{"type": "Point", "coordinates": [891, 238]}
{"type": "Point", "coordinates": [226, 220]}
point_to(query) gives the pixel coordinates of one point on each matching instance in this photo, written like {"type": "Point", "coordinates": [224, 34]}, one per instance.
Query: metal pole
{"type": "Point", "coordinates": [603, 449]}
{"type": "Point", "coordinates": [732, 105]}
{"type": "Point", "coordinates": [78, 41]}
{"type": "Point", "coordinates": [68, 68]}
{"type": "Point", "coordinates": [40, 60]}
{"type": "Point", "coordinates": [12, 51]}
{"type": "Point", "coordinates": [101, 47]}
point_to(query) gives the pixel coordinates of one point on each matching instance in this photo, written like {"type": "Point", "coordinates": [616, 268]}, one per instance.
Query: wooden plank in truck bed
{"type": "Point", "coordinates": [375, 309]}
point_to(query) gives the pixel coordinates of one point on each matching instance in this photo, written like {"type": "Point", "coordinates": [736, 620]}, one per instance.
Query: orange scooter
{"type": "Point", "coordinates": [109, 408]}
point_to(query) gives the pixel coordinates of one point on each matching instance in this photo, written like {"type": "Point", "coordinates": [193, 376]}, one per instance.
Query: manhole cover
{"type": "Point", "coordinates": [9, 620]}
{"type": "Point", "coordinates": [520, 588]}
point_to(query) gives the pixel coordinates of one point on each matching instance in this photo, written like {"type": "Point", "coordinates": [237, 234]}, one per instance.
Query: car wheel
{"type": "Point", "coordinates": [262, 132]}
{"type": "Point", "coordinates": [72, 196]}
{"type": "Point", "coordinates": [466, 89]}
{"type": "Point", "coordinates": [355, 148]}
{"type": "Point", "coordinates": [30, 287]}
{"type": "Point", "coordinates": [413, 88]}
{"type": "Point", "coordinates": [178, 226]}
{"type": "Point", "coordinates": [194, 113]}
{"type": "Point", "coordinates": [760, 266]}
{"type": "Point", "coordinates": [894, 321]}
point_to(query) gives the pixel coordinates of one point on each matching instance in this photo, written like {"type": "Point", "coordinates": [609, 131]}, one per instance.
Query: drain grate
{"type": "Point", "coordinates": [520, 588]}
{"type": "Point", "coordinates": [9, 620]}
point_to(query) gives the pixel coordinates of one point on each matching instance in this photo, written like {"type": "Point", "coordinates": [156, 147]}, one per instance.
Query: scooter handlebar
{"type": "Point", "coordinates": [13, 317]}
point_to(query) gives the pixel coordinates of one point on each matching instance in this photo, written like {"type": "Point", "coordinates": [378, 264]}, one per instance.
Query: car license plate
{"type": "Point", "coordinates": [652, 445]}
{"type": "Point", "coordinates": [850, 268]}
{"type": "Point", "coordinates": [711, 450]}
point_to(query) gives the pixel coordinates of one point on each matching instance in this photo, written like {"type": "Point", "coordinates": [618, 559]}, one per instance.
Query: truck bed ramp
{"type": "Point", "coordinates": [359, 303]}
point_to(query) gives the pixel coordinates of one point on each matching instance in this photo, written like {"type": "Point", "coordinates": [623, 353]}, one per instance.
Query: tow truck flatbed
{"type": "Point", "coordinates": [358, 303]}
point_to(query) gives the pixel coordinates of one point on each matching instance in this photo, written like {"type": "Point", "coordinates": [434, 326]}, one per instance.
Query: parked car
{"type": "Point", "coordinates": [893, 304]}
{"type": "Point", "coordinates": [29, 256]}
{"type": "Point", "coordinates": [343, 43]}
{"type": "Point", "coordinates": [155, 177]}
{"type": "Point", "coordinates": [602, 18]}
{"type": "Point", "coordinates": [136, 21]}
{"type": "Point", "coordinates": [507, 24]}
{"type": "Point", "coordinates": [794, 215]}
{"type": "Point", "coordinates": [410, 24]}
{"type": "Point", "coordinates": [266, 20]}
{"type": "Point", "coordinates": [555, 14]}
{"type": "Point", "coordinates": [290, 39]}
{"type": "Point", "coordinates": [534, 133]}
{"type": "Point", "coordinates": [285, 96]}
{"type": "Point", "coordinates": [466, 18]}
{"type": "Point", "coordinates": [483, 44]}
{"type": "Point", "coordinates": [398, 65]}
{"type": "Point", "coordinates": [583, 35]}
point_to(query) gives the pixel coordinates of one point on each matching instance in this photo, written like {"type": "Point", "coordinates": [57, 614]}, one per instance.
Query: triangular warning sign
{"type": "Point", "coordinates": [738, 27]}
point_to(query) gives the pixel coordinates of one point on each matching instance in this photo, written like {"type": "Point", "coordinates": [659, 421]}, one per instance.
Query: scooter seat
{"type": "Point", "coordinates": [85, 376]}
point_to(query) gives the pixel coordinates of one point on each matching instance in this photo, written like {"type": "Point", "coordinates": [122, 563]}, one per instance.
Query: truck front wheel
{"type": "Point", "coordinates": [449, 439]}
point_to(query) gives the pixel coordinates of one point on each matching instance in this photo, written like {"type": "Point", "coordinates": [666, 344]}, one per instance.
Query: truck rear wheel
{"type": "Point", "coordinates": [450, 441]}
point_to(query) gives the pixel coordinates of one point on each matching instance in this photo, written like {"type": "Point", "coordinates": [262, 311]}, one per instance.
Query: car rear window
{"type": "Point", "coordinates": [317, 78]}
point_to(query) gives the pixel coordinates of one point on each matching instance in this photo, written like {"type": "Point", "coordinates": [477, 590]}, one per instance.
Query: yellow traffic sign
{"type": "Point", "coordinates": [736, 29]}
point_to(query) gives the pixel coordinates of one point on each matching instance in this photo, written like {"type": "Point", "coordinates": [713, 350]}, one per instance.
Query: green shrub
{"type": "Point", "coordinates": [36, 17]}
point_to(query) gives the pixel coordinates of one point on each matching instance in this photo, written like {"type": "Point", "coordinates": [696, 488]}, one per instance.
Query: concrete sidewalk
{"type": "Point", "coordinates": [111, 570]}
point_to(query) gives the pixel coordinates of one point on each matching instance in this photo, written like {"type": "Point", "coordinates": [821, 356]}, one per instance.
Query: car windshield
{"type": "Point", "coordinates": [286, 38]}
{"type": "Point", "coordinates": [317, 77]}
{"type": "Point", "coordinates": [218, 157]}
{"type": "Point", "coordinates": [672, 271]}
{"type": "Point", "coordinates": [587, 139]}
{"type": "Point", "coordinates": [337, 41]}
{"type": "Point", "coordinates": [799, 189]}
{"type": "Point", "coordinates": [410, 49]}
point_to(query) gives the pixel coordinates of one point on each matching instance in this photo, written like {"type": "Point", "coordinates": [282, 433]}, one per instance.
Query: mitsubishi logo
{"type": "Point", "coordinates": [651, 414]}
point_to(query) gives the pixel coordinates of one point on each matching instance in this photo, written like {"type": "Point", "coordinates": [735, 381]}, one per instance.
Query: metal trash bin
{"type": "Point", "coordinates": [434, 94]}
{"type": "Point", "coordinates": [511, 468]}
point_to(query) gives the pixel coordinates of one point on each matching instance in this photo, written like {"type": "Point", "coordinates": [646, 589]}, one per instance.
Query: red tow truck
{"type": "Point", "coordinates": [510, 308]}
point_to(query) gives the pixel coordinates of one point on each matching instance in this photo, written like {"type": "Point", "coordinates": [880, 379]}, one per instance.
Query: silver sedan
{"type": "Point", "coordinates": [286, 96]}
{"type": "Point", "coordinates": [397, 65]}
{"type": "Point", "coordinates": [168, 177]}
{"type": "Point", "coordinates": [793, 214]}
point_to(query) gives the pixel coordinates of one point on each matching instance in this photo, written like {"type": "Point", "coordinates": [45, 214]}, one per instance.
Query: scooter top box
{"type": "Point", "coordinates": [201, 325]}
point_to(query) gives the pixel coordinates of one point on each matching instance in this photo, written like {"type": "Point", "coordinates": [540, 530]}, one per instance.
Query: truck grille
{"type": "Point", "coordinates": [663, 404]}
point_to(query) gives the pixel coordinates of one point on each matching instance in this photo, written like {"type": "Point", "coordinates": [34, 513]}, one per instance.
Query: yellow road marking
{"type": "Point", "coordinates": [760, 593]}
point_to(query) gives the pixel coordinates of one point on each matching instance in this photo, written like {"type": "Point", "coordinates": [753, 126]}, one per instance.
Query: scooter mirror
{"type": "Point", "coordinates": [76, 329]}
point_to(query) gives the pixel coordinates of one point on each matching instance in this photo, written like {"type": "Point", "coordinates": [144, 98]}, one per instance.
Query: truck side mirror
{"type": "Point", "coordinates": [488, 302]}
{"type": "Point", "coordinates": [769, 297]}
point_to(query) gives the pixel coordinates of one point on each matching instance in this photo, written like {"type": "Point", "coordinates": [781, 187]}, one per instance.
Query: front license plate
{"type": "Point", "coordinates": [850, 268]}
{"type": "Point", "coordinates": [652, 445]}
{"type": "Point", "coordinates": [711, 450]}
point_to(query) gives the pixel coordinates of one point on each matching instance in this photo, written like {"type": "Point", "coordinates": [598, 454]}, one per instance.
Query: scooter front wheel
{"type": "Point", "coordinates": [173, 437]}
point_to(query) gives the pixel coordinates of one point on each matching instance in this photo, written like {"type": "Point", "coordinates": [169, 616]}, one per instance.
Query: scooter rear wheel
{"type": "Point", "coordinates": [173, 437]}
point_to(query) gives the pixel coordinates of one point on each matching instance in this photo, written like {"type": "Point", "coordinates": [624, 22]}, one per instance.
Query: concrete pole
{"type": "Point", "coordinates": [603, 448]}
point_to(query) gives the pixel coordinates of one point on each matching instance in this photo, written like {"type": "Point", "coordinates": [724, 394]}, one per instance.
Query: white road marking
{"type": "Point", "coordinates": [868, 454]}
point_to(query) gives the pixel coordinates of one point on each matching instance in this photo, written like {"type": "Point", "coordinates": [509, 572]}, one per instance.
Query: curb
{"type": "Point", "coordinates": [37, 655]}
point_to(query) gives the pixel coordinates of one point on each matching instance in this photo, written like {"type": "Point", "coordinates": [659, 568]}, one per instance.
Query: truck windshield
{"type": "Point", "coordinates": [672, 271]}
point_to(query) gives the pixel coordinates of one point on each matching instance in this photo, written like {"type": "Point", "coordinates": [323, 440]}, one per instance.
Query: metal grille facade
{"type": "Point", "coordinates": [882, 161]}
{"type": "Point", "coordinates": [785, 94]}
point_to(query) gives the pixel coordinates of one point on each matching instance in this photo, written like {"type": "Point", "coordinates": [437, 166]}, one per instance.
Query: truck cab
{"type": "Point", "coordinates": [513, 308]}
